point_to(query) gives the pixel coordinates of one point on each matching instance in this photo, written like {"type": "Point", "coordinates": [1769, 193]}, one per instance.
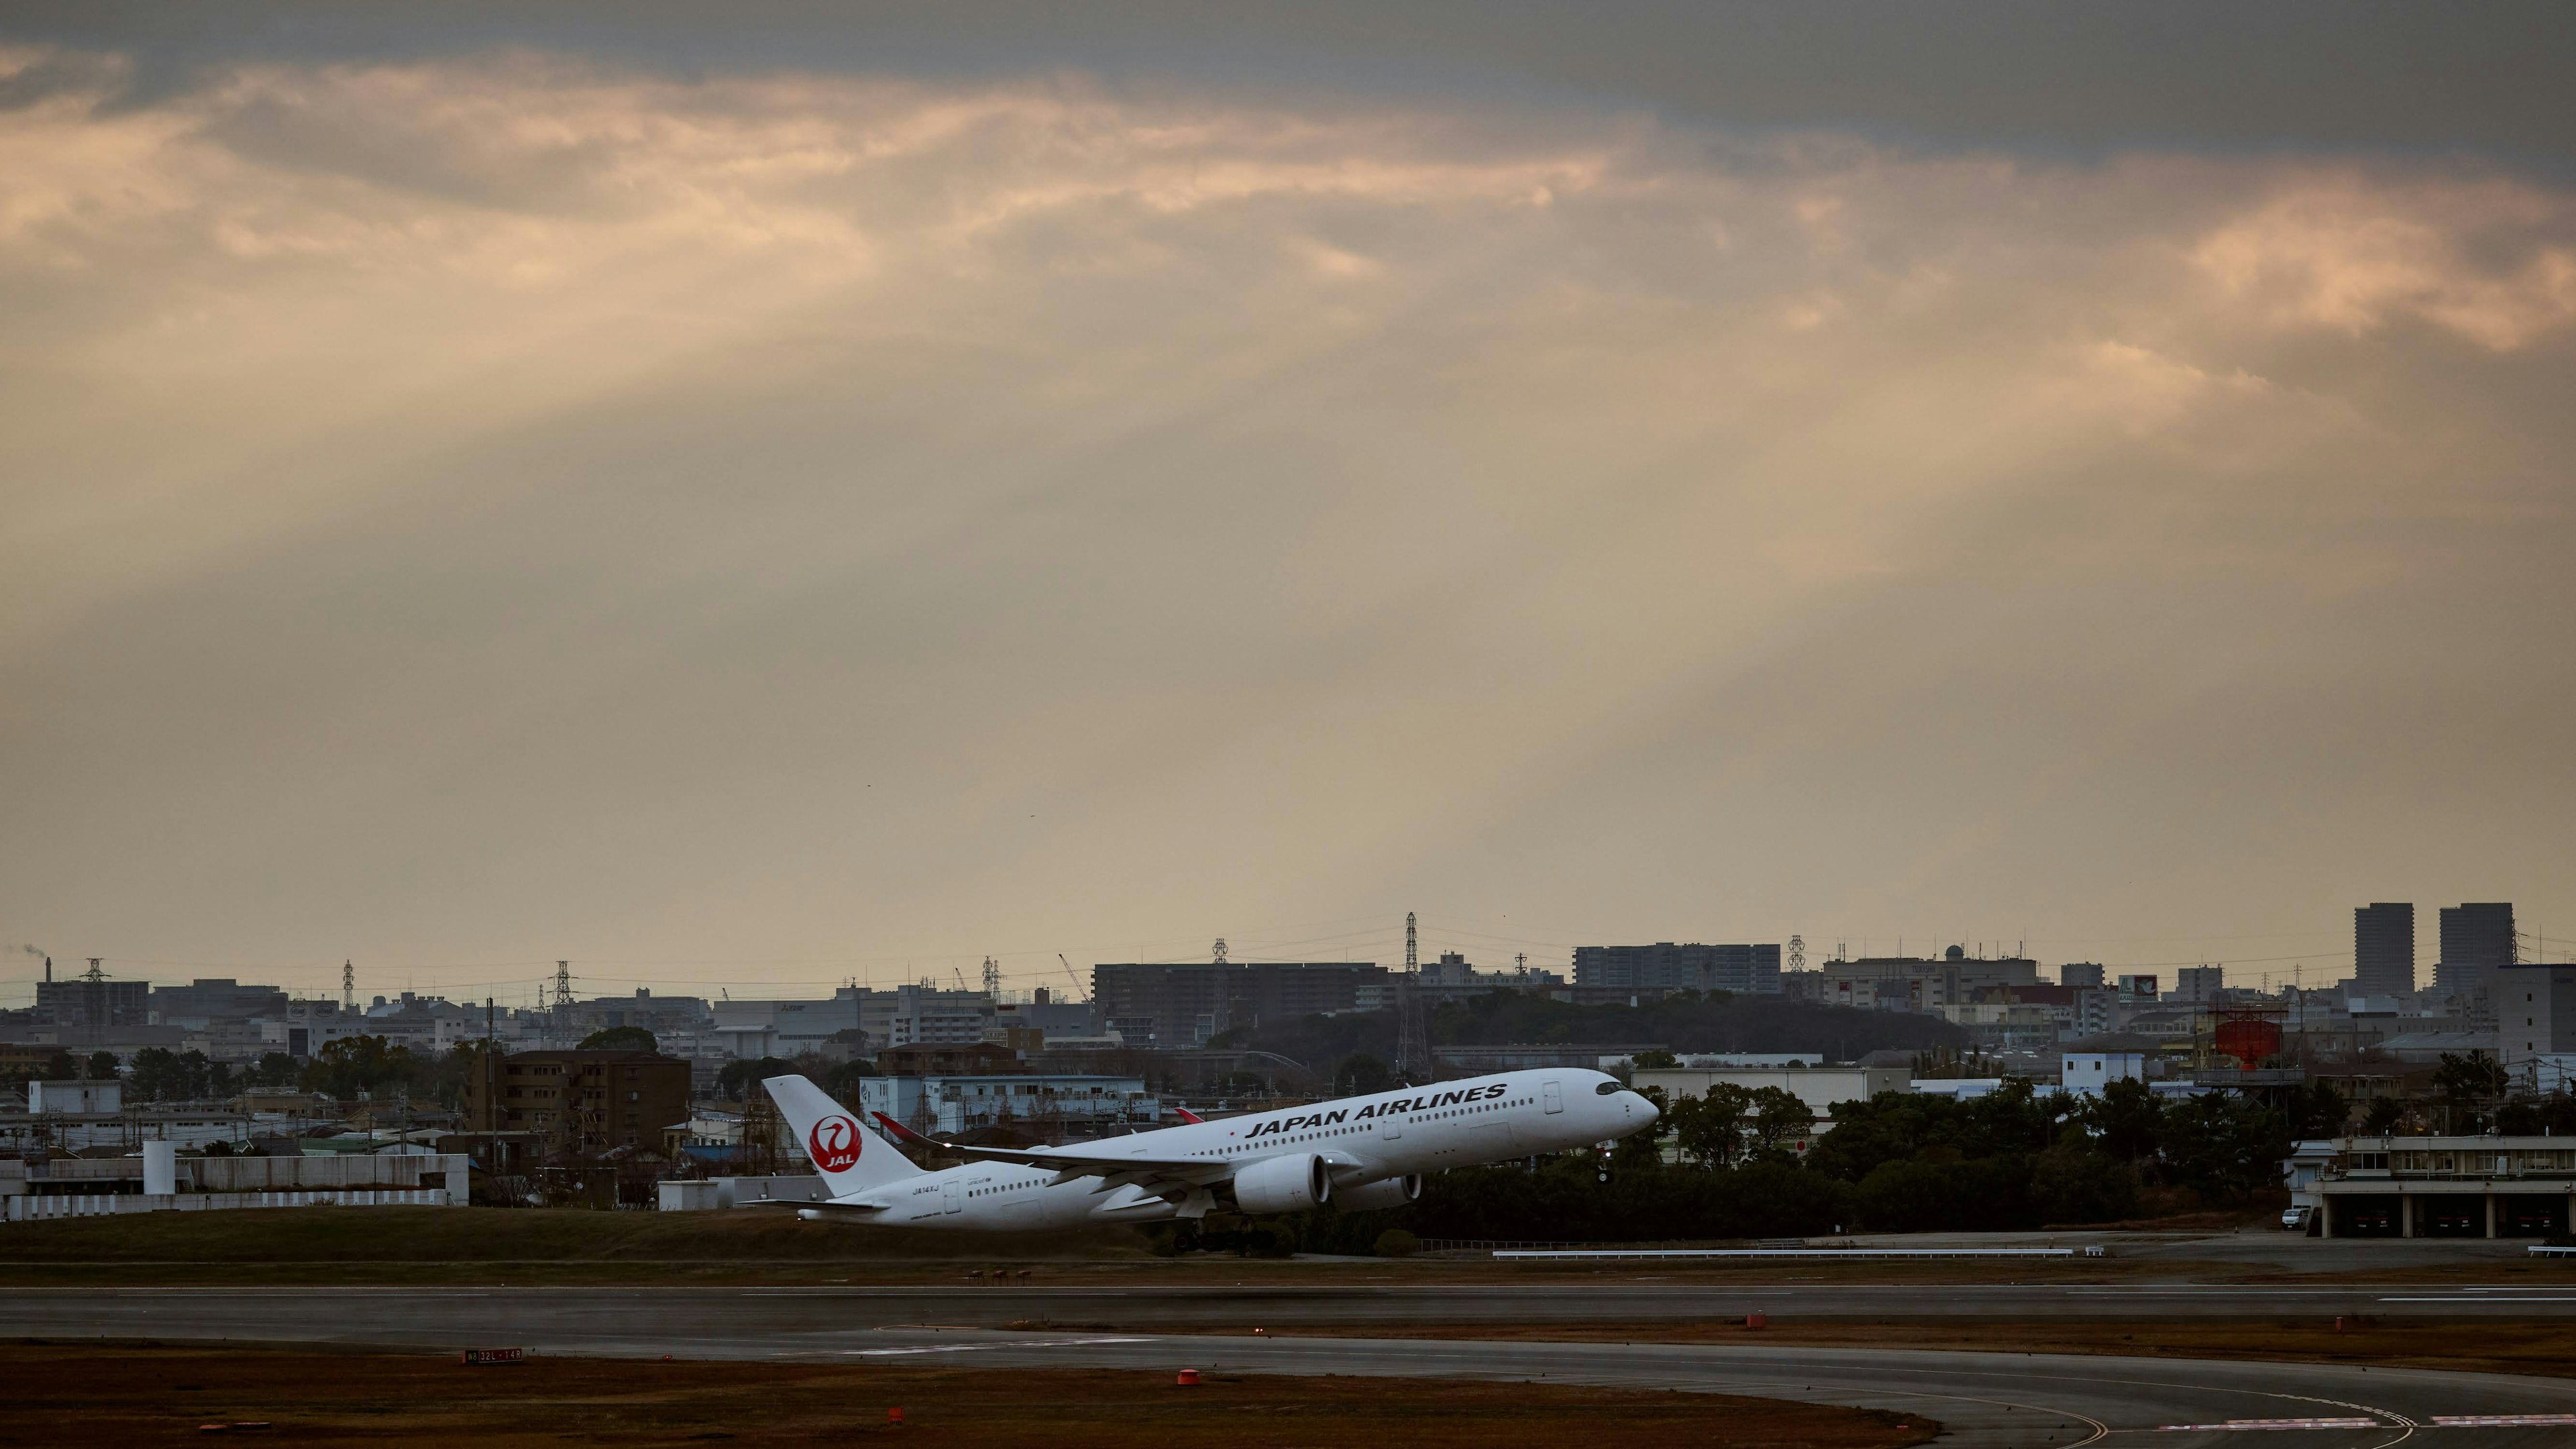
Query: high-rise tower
{"type": "Point", "coordinates": [2476, 939]}
{"type": "Point", "coordinates": [2383, 948]}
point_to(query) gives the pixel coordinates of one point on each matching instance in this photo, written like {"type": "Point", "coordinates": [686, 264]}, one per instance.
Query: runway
{"type": "Point", "coordinates": [1988, 1400]}
{"type": "Point", "coordinates": [1252, 1304]}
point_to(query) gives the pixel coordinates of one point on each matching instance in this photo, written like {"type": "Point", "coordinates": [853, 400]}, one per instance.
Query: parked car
{"type": "Point", "coordinates": [2295, 1219]}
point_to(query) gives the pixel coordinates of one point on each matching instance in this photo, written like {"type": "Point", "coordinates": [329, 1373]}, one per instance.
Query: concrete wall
{"type": "Point", "coordinates": [728, 1192]}
{"type": "Point", "coordinates": [32, 1209]}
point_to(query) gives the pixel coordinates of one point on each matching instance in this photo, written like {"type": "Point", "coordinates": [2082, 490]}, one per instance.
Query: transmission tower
{"type": "Point", "coordinates": [348, 987]}
{"type": "Point", "coordinates": [1412, 1042]}
{"type": "Point", "coordinates": [992, 978]}
{"type": "Point", "coordinates": [1797, 953]}
{"type": "Point", "coordinates": [563, 998]}
{"type": "Point", "coordinates": [1220, 950]}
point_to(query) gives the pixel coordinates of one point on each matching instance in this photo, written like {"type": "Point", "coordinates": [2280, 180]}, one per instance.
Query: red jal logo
{"type": "Point", "coordinates": [835, 1144]}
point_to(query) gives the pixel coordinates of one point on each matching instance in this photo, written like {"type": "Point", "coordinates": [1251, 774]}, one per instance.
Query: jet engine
{"type": "Point", "coordinates": [1386, 1192]}
{"type": "Point", "coordinates": [1283, 1184]}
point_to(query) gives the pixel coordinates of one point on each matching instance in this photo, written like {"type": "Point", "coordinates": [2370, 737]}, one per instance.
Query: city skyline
{"type": "Point", "coordinates": [521, 983]}
{"type": "Point", "coordinates": [823, 491]}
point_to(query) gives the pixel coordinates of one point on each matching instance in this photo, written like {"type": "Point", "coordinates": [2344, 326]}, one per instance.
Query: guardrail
{"type": "Point", "coordinates": [1810, 1254]}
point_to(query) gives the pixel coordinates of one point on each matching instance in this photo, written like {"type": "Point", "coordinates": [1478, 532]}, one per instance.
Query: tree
{"type": "Point", "coordinates": [356, 1065]}
{"type": "Point", "coordinates": [275, 1069]}
{"type": "Point", "coordinates": [2469, 1084]}
{"type": "Point", "coordinates": [2223, 1145]}
{"type": "Point", "coordinates": [620, 1039]}
{"type": "Point", "coordinates": [2124, 1119]}
{"type": "Point", "coordinates": [739, 1077]}
{"type": "Point", "coordinates": [2319, 1111]}
{"type": "Point", "coordinates": [1360, 1074]}
{"type": "Point", "coordinates": [155, 1075]}
{"type": "Point", "coordinates": [102, 1066]}
{"type": "Point", "coordinates": [2383, 1116]}
{"type": "Point", "coordinates": [1779, 1121]}
{"type": "Point", "coordinates": [1710, 1127]}
{"type": "Point", "coordinates": [1657, 1057]}
{"type": "Point", "coordinates": [2076, 1182]}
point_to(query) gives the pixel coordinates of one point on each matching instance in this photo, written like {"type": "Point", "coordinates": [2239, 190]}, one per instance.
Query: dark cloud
{"type": "Point", "coordinates": [2019, 73]}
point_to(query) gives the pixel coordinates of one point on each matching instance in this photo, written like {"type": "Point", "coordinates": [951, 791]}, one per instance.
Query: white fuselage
{"type": "Point", "coordinates": [1362, 1140]}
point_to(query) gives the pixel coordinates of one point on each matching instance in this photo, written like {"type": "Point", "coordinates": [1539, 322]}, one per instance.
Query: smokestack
{"type": "Point", "coordinates": [49, 971]}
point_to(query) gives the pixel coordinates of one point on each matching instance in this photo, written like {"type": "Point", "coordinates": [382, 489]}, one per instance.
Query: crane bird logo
{"type": "Point", "coordinates": [835, 1144]}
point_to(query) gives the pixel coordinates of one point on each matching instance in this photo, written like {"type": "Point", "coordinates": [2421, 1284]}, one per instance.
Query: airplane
{"type": "Point", "coordinates": [1356, 1153]}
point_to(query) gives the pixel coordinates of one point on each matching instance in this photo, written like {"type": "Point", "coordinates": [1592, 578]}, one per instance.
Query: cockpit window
{"type": "Point", "coordinates": [1606, 1088]}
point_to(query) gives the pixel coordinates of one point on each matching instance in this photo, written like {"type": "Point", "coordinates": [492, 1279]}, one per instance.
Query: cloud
{"type": "Point", "coordinates": [2488, 261]}
{"type": "Point", "coordinates": [816, 509]}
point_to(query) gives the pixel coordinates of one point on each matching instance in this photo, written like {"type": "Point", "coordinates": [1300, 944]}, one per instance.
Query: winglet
{"type": "Point", "coordinates": [1186, 1114]}
{"type": "Point", "coordinates": [900, 1132]}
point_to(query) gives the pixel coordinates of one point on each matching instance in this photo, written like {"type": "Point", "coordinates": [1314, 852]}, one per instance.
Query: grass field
{"type": "Point", "coordinates": [145, 1396]}
{"type": "Point", "coordinates": [407, 1245]}
{"type": "Point", "coordinates": [393, 1235]}
{"type": "Point", "coordinates": [2487, 1346]}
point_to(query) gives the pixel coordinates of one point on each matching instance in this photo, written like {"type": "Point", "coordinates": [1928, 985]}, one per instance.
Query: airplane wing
{"type": "Point", "coordinates": [828, 1205]}
{"type": "Point", "coordinates": [1071, 1163]}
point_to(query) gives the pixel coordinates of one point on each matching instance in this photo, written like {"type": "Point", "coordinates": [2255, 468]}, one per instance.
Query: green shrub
{"type": "Point", "coordinates": [1397, 1243]}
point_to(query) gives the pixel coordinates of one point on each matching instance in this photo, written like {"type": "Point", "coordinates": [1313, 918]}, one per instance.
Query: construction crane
{"type": "Point", "coordinates": [1070, 975]}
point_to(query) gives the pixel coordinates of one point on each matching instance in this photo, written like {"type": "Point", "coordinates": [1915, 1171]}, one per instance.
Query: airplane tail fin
{"type": "Point", "coordinates": [850, 1158]}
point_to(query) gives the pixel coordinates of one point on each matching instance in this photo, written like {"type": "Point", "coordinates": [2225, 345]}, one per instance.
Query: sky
{"type": "Point", "coordinates": [820, 494]}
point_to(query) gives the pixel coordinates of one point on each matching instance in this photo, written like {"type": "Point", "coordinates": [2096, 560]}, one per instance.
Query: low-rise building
{"type": "Point", "coordinates": [2088, 1064]}
{"type": "Point", "coordinates": [580, 1103]}
{"type": "Point", "coordinates": [1820, 1087]}
{"type": "Point", "coordinates": [106, 1095]}
{"type": "Point", "coordinates": [2454, 1187]}
{"type": "Point", "coordinates": [1048, 1107]}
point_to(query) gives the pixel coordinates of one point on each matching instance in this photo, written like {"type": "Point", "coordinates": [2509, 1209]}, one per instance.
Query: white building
{"type": "Point", "coordinates": [2087, 1065]}
{"type": "Point", "coordinates": [106, 1096]}
{"type": "Point", "coordinates": [1044, 1105]}
{"type": "Point", "coordinates": [1820, 1087]}
{"type": "Point", "coordinates": [2535, 1010]}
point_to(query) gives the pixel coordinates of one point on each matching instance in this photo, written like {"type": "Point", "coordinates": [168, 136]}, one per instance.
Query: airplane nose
{"type": "Point", "coordinates": [1651, 1113]}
